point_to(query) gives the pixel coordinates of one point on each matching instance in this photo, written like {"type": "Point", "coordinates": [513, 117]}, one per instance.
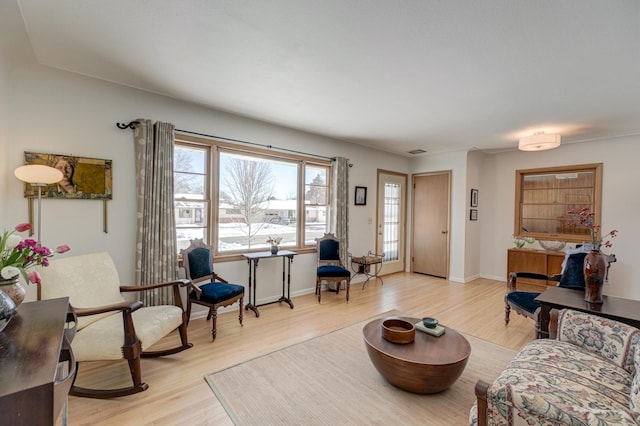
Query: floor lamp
{"type": "Point", "coordinates": [38, 176]}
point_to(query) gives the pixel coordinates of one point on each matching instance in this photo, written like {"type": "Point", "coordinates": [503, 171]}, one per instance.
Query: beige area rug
{"type": "Point", "coordinates": [329, 380]}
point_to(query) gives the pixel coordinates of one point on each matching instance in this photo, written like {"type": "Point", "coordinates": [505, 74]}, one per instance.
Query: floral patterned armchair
{"type": "Point", "coordinates": [586, 374]}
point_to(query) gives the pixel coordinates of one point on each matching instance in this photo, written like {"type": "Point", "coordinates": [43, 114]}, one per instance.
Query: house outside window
{"type": "Point", "coordinates": [191, 188]}
{"type": "Point", "coordinates": [245, 196]}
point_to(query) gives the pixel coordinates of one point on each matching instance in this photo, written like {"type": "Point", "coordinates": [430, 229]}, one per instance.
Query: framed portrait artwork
{"type": "Point", "coordinates": [361, 196]}
{"type": "Point", "coordinates": [474, 198]}
{"type": "Point", "coordinates": [83, 178]}
{"type": "Point", "coordinates": [473, 214]}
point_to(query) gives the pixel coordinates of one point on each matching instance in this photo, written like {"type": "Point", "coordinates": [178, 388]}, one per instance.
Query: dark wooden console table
{"type": "Point", "coordinates": [624, 310]}
{"type": "Point", "coordinates": [253, 259]}
{"type": "Point", "coordinates": [34, 353]}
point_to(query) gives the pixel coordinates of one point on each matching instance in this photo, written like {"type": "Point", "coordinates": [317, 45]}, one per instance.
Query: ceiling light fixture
{"type": "Point", "coordinates": [539, 141]}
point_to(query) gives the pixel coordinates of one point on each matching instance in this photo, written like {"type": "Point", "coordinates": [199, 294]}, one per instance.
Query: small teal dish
{"type": "Point", "coordinates": [429, 322]}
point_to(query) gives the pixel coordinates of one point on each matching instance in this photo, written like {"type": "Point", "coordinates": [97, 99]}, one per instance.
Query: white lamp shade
{"type": "Point", "coordinates": [539, 142]}
{"type": "Point", "coordinates": [38, 174]}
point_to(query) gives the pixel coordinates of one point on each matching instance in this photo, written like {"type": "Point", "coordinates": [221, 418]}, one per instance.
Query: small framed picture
{"type": "Point", "coordinates": [473, 214]}
{"type": "Point", "coordinates": [361, 196]}
{"type": "Point", "coordinates": [474, 198]}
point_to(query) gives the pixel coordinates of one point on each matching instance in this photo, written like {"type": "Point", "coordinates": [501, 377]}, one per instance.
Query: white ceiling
{"type": "Point", "coordinates": [438, 75]}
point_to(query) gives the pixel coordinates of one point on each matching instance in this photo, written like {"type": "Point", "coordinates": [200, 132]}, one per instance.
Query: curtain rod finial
{"type": "Point", "coordinates": [130, 125]}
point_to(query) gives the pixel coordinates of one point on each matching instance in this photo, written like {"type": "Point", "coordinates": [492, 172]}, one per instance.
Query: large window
{"type": "Point", "coordinates": [191, 193]}
{"type": "Point", "coordinates": [544, 196]}
{"type": "Point", "coordinates": [236, 199]}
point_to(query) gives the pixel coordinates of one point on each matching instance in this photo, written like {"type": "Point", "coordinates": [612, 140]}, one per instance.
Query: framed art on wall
{"type": "Point", "coordinates": [361, 196]}
{"type": "Point", "coordinates": [83, 178]}
{"type": "Point", "coordinates": [473, 214]}
{"type": "Point", "coordinates": [474, 198]}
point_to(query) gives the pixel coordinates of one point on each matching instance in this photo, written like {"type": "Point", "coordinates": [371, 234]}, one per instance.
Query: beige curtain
{"type": "Point", "coordinates": [156, 252]}
{"type": "Point", "coordinates": [339, 225]}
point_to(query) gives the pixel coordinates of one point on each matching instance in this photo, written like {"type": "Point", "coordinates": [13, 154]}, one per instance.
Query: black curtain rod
{"type": "Point", "coordinates": [132, 125]}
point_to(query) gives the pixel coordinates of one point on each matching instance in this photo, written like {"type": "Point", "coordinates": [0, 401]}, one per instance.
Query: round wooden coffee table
{"type": "Point", "coordinates": [428, 365]}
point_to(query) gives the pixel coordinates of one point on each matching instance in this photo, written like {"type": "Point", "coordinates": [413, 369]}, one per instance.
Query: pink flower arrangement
{"type": "Point", "coordinates": [585, 218]}
{"type": "Point", "coordinates": [18, 255]}
{"type": "Point", "coordinates": [274, 241]}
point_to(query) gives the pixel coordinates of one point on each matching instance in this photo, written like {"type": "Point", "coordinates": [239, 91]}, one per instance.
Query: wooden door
{"type": "Point", "coordinates": [431, 201]}
{"type": "Point", "coordinates": [391, 220]}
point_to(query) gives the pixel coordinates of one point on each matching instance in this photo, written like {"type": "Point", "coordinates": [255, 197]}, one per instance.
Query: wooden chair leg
{"type": "Point", "coordinates": [182, 330]}
{"type": "Point", "coordinates": [507, 311]}
{"type": "Point", "coordinates": [348, 286]}
{"type": "Point", "coordinates": [214, 318]}
{"type": "Point", "coordinates": [136, 378]}
{"type": "Point", "coordinates": [318, 288]}
{"type": "Point", "coordinates": [240, 316]}
{"type": "Point", "coordinates": [188, 310]}
{"type": "Point", "coordinates": [136, 371]}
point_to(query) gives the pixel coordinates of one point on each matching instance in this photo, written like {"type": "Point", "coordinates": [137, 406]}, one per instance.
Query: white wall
{"type": "Point", "coordinates": [473, 244]}
{"type": "Point", "coordinates": [620, 204]}
{"type": "Point", "coordinates": [59, 112]}
{"type": "Point", "coordinates": [14, 49]}
{"type": "Point", "coordinates": [456, 162]}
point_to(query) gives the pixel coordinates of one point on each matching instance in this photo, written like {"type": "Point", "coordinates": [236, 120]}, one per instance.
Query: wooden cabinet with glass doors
{"type": "Point", "coordinates": [544, 196]}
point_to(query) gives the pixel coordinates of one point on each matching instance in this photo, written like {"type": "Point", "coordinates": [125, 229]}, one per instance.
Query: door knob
{"type": "Point", "coordinates": [443, 232]}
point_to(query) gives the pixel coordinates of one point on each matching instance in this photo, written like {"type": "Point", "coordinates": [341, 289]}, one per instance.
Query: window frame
{"type": "Point", "coordinates": [212, 183]}
{"type": "Point", "coordinates": [595, 205]}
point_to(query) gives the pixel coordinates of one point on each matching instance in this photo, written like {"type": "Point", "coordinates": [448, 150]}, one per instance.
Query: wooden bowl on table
{"type": "Point", "coordinates": [397, 330]}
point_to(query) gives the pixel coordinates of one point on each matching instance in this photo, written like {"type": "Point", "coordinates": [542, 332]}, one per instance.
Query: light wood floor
{"type": "Point", "coordinates": [178, 394]}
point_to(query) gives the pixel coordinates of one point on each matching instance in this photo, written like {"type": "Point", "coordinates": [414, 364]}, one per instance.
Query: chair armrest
{"type": "Point", "coordinates": [481, 398]}
{"type": "Point", "coordinates": [123, 306]}
{"type": "Point", "coordinates": [212, 277]}
{"type": "Point", "coordinates": [197, 290]}
{"type": "Point", "coordinates": [180, 282]}
{"type": "Point", "coordinates": [513, 278]}
{"type": "Point", "coordinates": [614, 340]}
{"type": "Point", "coordinates": [176, 284]}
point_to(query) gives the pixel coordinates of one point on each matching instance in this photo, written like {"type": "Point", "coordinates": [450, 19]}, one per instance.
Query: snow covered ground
{"type": "Point", "coordinates": [233, 236]}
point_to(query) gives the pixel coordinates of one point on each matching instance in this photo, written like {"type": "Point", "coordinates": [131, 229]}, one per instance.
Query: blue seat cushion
{"type": "Point", "coordinates": [217, 292]}
{"type": "Point", "coordinates": [331, 271]}
{"type": "Point", "coordinates": [524, 300]}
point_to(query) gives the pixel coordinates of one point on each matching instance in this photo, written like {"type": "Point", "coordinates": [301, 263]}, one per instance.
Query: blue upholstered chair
{"type": "Point", "coordinates": [207, 288]}
{"type": "Point", "coordinates": [330, 267]}
{"type": "Point", "coordinates": [523, 302]}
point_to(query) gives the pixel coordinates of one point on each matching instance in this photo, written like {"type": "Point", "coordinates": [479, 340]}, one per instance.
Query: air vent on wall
{"type": "Point", "coordinates": [417, 151]}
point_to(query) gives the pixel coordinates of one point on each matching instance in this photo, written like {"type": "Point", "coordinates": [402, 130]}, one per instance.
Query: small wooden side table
{"type": "Point", "coordinates": [365, 264]}
{"type": "Point", "coordinates": [626, 311]}
{"type": "Point", "coordinates": [252, 260]}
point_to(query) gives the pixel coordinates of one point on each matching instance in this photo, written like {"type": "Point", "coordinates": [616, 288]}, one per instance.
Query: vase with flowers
{"type": "Point", "coordinates": [595, 263]}
{"type": "Point", "coordinates": [275, 244]}
{"type": "Point", "coordinates": [17, 257]}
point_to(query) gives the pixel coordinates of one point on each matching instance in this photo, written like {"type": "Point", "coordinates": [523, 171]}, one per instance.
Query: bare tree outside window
{"type": "Point", "coordinates": [316, 193]}
{"type": "Point", "coordinates": [184, 181]}
{"type": "Point", "coordinates": [248, 186]}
